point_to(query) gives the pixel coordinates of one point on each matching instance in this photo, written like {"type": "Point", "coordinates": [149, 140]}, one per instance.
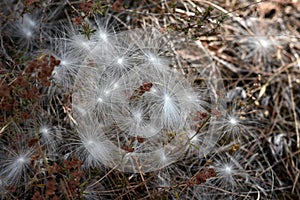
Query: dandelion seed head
{"type": "Point", "coordinates": [154, 60]}
{"type": "Point", "coordinates": [263, 42]}
{"type": "Point", "coordinates": [153, 90]}
{"type": "Point", "coordinates": [44, 130]}
{"type": "Point", "coordinates": [116, 85]}
{"type": "Point", "coordinates": [99, 100]}
{"type": "Point", "coordinates": [146, 100]}
{"type": "Point", "coordinates": [120, 61]}
{"type": "Point", "coordinates": [167, 98]}
{"type": "Point", "coordinates": [64, 62]}
{"type": "Point", "coordinates": [27, 32]}
{"type": "Point", "coordinates": [227, 169]}
{"type": "Point", "coordinates": [84, 44]}
{"type": "Point", "coordinates": [21, 159]}
{"type": "Point", "coordinates": [90, 142]}
{"type": "Point", "coordinates": [103, 36]}
{"type": "Point", "coordinates": [233, 121]}
{"type": "Point", "coordinates": [137, 117]}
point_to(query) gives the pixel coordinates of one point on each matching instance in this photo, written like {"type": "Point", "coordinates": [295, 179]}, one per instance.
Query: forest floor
{"type": "Point", "coordinates": [247, 54]}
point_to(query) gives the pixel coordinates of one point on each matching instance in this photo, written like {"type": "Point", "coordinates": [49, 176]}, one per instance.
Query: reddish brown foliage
{"type": "Point", "coordinates": [202, 176]}
{"type": "Point", "coordinates": [20, 92]}
{"type": "Point", "coordinates": [142, 89]}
